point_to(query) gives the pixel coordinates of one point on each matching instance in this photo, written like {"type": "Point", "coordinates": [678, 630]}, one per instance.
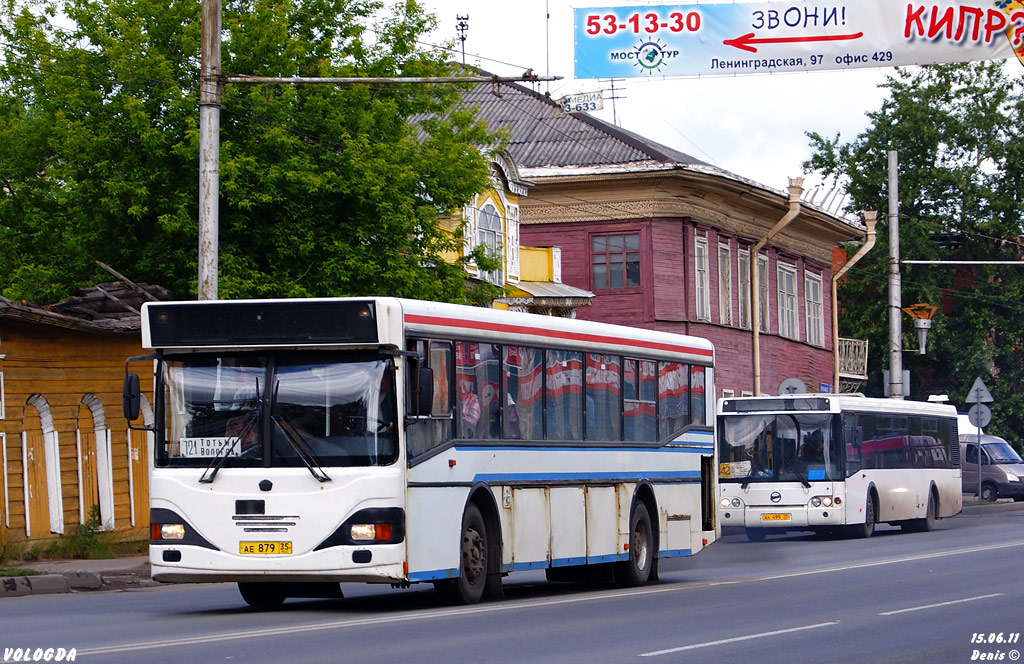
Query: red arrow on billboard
{"type": "Point", "coordinates": [744, 43]}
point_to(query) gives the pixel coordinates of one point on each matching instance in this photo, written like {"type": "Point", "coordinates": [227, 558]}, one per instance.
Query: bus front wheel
{"type": "Point", "coordinates": [636, 569]}
{"type": "Point", "coordinates": [468, 588]}
{"type": "Point", "coordinates": [866, 529]}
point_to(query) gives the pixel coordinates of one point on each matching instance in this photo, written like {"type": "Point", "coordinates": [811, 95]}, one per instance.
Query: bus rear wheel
{"type": "Point", "coordinates": [926, 524]}
{"type": "Point", "coordinates": [267, 595]}
{"type": "Point", "coordinates": [636, 569]}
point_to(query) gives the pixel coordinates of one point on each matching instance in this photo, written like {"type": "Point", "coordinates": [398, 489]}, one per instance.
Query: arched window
{"type": "Point", "coordinates": [489, 234]}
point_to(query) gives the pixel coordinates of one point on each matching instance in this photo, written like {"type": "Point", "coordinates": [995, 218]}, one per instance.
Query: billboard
{"type": "Point", "coordinates": [771, 37]}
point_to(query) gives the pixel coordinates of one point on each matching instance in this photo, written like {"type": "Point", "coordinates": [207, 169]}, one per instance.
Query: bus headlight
{"type": "Point", "coordinates": [822, 501]}
{"type": "Point", "coordinates": [370, 532]}
{"type": "Point", "coordinates": [827, 501]}
{"type": "Point", "coordinates": [726, 502]}
{"type": "Point", "coordinates": [731, 502]}
{"type": "Point", "coordinates": [172, 531]}
{"type": "Point", "coordinates": [815, 502]}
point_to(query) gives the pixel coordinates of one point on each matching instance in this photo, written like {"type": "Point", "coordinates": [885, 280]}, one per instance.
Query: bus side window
{"type": "Point", "coordinates": [429, 430]}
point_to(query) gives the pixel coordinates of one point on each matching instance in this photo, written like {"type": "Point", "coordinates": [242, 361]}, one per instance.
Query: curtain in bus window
{"type": "Point", "coordinates": [673, 398]}
{"type": "Point", "coordinates": [564, 389]}
{"type": "Point", "coordinates": [698, 408]}
{"type": "Point", "coordinates": [476, 376]}
{"type": "Point", "coordinates": [524, 393]}
{"type": "Point", "coordinates": [639, 407]}
{"type": "Point", "coordinates": [852, 437]}
{"type": "Point", "coordinates": [338, 414]}
{"type": "Point", "coordinates": [604, 397]}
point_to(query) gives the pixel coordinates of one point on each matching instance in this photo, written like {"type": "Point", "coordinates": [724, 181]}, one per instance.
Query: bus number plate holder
{"type": "Point", "coordinates": [265, 548]}
{"type": "Point", "coordinates": [775, 517]}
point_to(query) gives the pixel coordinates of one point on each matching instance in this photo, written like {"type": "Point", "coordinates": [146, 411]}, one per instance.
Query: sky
{"type": "Point", "coordinates": [752, 125]}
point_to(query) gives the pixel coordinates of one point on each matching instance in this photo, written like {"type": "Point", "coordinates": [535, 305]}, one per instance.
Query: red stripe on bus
{"type": "Point", "coordinates": [557, 334]}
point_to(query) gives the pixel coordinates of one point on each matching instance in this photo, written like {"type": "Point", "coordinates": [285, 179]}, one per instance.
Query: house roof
{"type": "Point", "coordinates": [541, 135]}
{"type": "Point", "coordinates": [547, 142]}
{"type": "Point", "coordinates": [109, 307]}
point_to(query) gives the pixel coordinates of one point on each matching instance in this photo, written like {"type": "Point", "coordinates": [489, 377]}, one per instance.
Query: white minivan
{"type": "Point", "coordinates": [1002, 469]}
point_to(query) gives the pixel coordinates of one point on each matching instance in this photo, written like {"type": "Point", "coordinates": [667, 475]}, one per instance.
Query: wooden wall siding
{"type": "Point", "coordinates": [669, 264]}
{"type": "Point", "coordinates": [633, 307]}
{"type": "Point", "coordinates": [78, 375]}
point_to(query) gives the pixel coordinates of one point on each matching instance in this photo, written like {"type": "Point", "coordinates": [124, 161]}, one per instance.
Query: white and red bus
{"type": "Point", "coordinates": [836, 463]}
{"type": "Point", "coordinates": [300, 444]}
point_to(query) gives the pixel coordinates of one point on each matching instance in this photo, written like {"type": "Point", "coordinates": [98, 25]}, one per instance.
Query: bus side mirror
{"type": "Point", "coordinates": [425, 391]}
{"type": "Point", "coordinates": [131, 397]}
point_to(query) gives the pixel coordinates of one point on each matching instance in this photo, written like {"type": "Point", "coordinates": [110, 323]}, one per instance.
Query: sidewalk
{"type": "Point", "coordinates": [65, 576]}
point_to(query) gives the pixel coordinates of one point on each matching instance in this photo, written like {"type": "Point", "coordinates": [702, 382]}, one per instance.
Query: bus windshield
{"type": "Point", "coordinates": [279, 410]}
{"type": "Point", "coordinates": [798, 447]}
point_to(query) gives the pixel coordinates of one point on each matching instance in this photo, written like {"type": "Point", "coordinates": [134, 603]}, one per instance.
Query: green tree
{"type": "Point", "coordinates": [957, 132]}
{"type": "Point", "coordinates": [325, 190]}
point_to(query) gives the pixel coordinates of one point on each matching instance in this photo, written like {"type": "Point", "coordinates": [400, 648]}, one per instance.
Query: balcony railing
{"type": "Point", "coordinates": [853, 359]}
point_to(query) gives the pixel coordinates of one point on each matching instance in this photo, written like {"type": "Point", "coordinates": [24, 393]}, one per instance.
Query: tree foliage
{"type": "Point", "coordinates": [325, 190]}
{"type": "Point", "coordinates": [957, 132]}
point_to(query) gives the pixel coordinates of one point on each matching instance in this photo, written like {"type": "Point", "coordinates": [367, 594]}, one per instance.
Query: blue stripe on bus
{"type": "Point", "coordinates": [536, 448]}
{"type": "Point", "coordinates": [583, 477]}
{"type": "Point", "coordinates": [439, 574]}
{"type": "Point", "coordinates": [434, 575]}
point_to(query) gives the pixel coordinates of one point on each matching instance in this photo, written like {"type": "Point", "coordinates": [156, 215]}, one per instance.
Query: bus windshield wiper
{"type": "Point", "coordinates": [295, 440]}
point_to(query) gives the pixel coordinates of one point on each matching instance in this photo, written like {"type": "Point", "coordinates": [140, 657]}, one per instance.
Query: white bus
{"type": "Point", "coordinates": [304, 443]}
{"type": "Point", "coordinates": [836, 463]}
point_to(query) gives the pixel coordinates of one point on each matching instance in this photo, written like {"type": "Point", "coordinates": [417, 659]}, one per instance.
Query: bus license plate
{"type": "Point", "coordinates": [775, 517]}
{"type": "Point", "coordinates": [265, 548]}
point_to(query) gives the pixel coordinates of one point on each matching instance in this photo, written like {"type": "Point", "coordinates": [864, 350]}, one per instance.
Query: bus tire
{"type": "Point", "coordinates": [636, 569]}
{"type": "Point", "coordinates": [925, 524]}
{"type": "Point", "coordinates": [866, 529]}
{"type": "Point", "coordinates": [989, 494]}
{"type": "Point", "coordinates": [756, 534]}
{"type": "Point", "coordinates": [468, 587]}
{"type": "Point", "coordinates": [268, 595]}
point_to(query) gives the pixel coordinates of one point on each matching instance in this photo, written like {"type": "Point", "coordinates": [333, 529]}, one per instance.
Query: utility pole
{"type": "Point", "coordinates": [209, 149]}
{"type": "Point", "coordinates": [895, 296]}
{"type": "Point", "coordinates": [211, 85]}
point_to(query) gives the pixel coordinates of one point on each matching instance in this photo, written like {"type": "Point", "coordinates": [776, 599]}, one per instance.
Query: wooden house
{"type": "Point", "coordinates": [65, 445]}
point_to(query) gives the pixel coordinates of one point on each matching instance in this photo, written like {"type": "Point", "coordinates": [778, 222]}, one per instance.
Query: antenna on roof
{"type": "Point", "coordinates": [612, 97]}
{"type": "Point", "coordinates": [462, 26]}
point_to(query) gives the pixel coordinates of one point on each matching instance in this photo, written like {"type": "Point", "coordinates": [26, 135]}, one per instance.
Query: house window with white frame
{"type": "Point", "coordinates": [813, 307]}
{"type": "Point", "coordinates": [724, 285]}
{"type": "Point", "coordinates": [489, 234]}
{"type": "Point", "coordinates": [703, 284]}
{"type": "Point", "coordinates": [764, 317]}
{"type": "Point", "coordinates": [788, 326]}
{"type": "Point", "coordinates": [743, 285]}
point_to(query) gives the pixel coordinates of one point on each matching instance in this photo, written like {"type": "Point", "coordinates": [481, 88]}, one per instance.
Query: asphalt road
{"type": "Point", "coordinates": [898, 597]}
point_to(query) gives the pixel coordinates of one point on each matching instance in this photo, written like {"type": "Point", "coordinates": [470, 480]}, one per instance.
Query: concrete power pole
{"type": "Point", "coordinates": [895, 296]}
{"type": "Point", "coordinates": [209, 149]}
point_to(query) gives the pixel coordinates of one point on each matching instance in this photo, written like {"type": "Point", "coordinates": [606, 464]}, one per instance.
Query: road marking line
{"type": "Point", "coordinates": [736, 639]}
{"type": "Point", "coordinates": [933, 606]}
{"type": "Point", "coordinates": [512, 606]}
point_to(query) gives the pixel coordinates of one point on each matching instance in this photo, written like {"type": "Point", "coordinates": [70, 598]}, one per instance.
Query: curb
{"type": "Point", "coordinates": [47, 584]}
